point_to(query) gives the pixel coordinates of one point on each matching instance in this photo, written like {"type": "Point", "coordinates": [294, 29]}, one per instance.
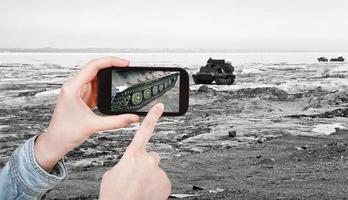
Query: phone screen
{"type": "Point", "coordinates": [139, 90]}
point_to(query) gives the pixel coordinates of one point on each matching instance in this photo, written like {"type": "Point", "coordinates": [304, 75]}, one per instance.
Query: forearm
{"type": "Point", "coordinates": [24, 177]}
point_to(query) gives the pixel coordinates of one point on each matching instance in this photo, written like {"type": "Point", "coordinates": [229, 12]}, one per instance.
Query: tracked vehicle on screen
{"type": "Point", "coordinates": [215, 70]}
{"type": "Point", "coordinates": [132, 90]}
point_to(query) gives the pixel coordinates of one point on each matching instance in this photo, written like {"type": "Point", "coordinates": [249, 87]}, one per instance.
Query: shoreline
{"type": "Point", "coordinates": [242, 142]}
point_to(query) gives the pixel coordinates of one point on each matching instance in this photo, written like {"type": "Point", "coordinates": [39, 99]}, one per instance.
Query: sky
{"type": "Point", "coordinates": [318, 25]}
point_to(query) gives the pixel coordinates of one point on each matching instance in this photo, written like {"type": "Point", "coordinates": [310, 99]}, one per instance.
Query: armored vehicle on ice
{"type": "Point", "coordinates": [215, 70]}
{"type": "Point", "coordinates": [339, 59]}
{"type": "Point", "coordinates": [323, 59]}
{"type": "Point", "coordinates": [133, 90]}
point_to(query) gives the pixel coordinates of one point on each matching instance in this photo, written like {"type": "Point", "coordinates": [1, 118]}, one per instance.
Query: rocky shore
{"type": "Point", "coordinates": [270, 136]}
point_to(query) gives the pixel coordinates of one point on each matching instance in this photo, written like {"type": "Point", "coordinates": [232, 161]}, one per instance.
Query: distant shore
{"type": "Point", "coordinates": [152, 50]}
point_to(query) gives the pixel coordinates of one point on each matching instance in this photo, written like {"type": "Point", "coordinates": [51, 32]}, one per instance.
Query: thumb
{"type": "Point", "coordinates": [102, 123]}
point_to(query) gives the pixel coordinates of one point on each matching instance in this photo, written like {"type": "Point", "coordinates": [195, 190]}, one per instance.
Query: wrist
{"type": "Point", "coordinates": [48, 151]}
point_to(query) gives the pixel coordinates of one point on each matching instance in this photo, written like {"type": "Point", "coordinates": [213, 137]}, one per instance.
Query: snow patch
{"type": "Point", "coordinates": [327, 129]}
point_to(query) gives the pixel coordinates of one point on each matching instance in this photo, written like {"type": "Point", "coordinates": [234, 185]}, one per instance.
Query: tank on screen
{"type": "Point", "coordinates": [132, 90]}
{"type": "Point", "coordinates": [215, 70]}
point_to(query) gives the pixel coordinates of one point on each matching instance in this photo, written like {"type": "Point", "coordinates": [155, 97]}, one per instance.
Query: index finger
{"type": "Point", "coordinates": [91, 69]}
{"type": "Point", "coordinates": [146, 129]}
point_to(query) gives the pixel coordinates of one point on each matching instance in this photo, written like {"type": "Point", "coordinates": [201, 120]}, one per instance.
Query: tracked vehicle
{"type": "Point", "coordinates": [215, 70]}
{"type": "Point", "coordinates": [339, 59]}
{"type": "Point", "coordinates": [323, 59]}
{"type": "Point", "coordinates": [133, 90]}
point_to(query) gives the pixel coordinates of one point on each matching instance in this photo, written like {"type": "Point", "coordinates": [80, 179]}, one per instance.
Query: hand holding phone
{"type": "Point", "coordinates": [137, 89]}
{"type": "Point", "coordinates": [73, 120]}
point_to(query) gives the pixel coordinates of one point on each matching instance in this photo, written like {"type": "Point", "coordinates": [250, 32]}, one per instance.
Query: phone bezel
{"type": "Point", "coordinates": [104, 89]}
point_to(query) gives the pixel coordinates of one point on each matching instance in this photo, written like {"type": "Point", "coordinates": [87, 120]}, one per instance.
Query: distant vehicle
{"type": "Point", "coordinates": [215, 70]}
{"type": "Point", "coordinates": [339, 59]}
{"type": "Point", "coordinates": [323, 59]}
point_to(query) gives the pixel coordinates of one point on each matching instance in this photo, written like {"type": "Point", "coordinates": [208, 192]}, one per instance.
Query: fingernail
{"type": "Point", "coordinates": [160, 106]}
{"type": "Point", "coordinates": [134, 118]}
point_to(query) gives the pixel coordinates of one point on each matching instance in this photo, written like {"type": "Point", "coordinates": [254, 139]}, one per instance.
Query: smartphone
{"type": "Point", "coordinates": [136, 89]}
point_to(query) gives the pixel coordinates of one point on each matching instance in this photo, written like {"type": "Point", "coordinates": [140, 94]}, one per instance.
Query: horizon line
{"type": "Point", "coordinates": [151, 50]}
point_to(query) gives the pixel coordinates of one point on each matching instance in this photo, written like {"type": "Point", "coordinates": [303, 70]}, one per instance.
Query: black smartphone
{"type": "Point", "coordinates": [137, 89]}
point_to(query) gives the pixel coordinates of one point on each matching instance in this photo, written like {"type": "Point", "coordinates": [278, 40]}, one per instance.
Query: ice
{"type": "Point", "coordinates": [3, 126]}
{"type": "Point", "coordinates": [251, 71]}
{"type": "Point", "coordinates": [30, 79]}
{"type": "Point", "coordinates": [49, 93]}
{"type": "Point", "coordinates": [327, 129]}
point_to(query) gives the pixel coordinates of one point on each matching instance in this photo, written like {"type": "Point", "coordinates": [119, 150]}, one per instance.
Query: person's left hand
{"type": "Point", "coordinates": [73, 121]}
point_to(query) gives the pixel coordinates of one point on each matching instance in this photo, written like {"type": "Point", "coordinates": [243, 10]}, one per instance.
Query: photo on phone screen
{"type": "Point", "coordinates": [138, 91]}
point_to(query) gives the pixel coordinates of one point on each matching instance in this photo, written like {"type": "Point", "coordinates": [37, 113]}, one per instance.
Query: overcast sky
{"type": "Point", "coordinates": [220, 24]}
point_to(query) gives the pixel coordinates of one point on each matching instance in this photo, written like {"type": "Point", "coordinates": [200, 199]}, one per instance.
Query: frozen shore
{"type": "Point", "coordinates": [287, 123]}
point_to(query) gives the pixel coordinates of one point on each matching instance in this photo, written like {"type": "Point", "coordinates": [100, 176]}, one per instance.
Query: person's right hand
{"type": "Point", "coordinates": [138, 175]}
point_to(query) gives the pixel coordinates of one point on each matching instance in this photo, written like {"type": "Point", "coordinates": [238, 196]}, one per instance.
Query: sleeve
{"type": "Point", "coordinates": [23, 178]}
